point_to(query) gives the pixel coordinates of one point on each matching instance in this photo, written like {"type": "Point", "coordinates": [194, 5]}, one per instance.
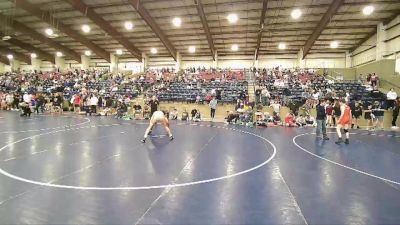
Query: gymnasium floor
{"type": "Point", "coordinates": [78, 170]}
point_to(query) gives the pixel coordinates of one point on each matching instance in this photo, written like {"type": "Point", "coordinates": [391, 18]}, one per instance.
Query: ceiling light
{"type": "Point", "coordinates": [235, 47]}
{"type": "Point", "coordinates": [153, 50]}
{"type": "Point", "coordinates": [86, 28]}
{"type": "Point", "coordinates": [128, 25]}
{"type": "Point", "coordinates": [59, 54]}
{"type": "Point", "coordinates": [118, 51]}
{"type": "Point", "coordinates": [49, 31]}
{"type": "Point", "coordinates": [296, 13]}
{"type": "Point", "coordinates": [88, 53]}
{"type": "Point", "coordinates": [368, 10]}
{"type": "Point", "coordinates": [6, 38]}
{"type": "Point", "coordinates": [177, 21]}
{"type": "Point", "coordinates": [10, 57]}
{"type": "Point", "coordinates": [334, 44]}
{"type": "Point", "coordinates": [282, 46]}
{"type": "Point", "coordinates": [33, 56]}
{"type": "Point", "coordinates": [232, 18]}
{"type": "Point", "coordinates": [192, 49]}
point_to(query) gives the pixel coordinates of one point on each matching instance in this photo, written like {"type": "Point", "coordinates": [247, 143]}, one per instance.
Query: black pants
{"type": "Point", "coordinates": [212, 113]}
{"type": "Point", "coordinates": [395, 115]}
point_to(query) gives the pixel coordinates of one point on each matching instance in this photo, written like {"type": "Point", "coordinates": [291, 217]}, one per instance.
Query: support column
{"type": "Point", "coordinates": [215, 62]}
{"type": "Point", "coordinates": [145, 62]}
{"type": "Point", "coordinates": [85, 62]}
{"type": "Point", "coordinates": [113, 64]}
{"type": "Point", "coordinates": [348, 60]}
{"type": "Point", "coordinates": [2, 67]}
{"type": "Point", "coordinates": [15, 65]}
{"type": "Point", "coordinates": [60, 63]}
{"type": "Point", "coordinates": [178, 61]}
{"type": "Point", "coordinates": [36, 63]}
{"type": "Point", "coordinates": [255, 64]}
{"type": "Point", "coordinates": [380, 41]}
{"type": "Point", "coordinates": [300, 61]}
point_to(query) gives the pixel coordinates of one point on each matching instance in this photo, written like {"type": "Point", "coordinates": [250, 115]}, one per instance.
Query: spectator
{"type": "Point", "coordinates": [396, 108]}
{"type": "Point", "coordinates": [154, 103]}
{"type": "Point", "coordinates": [321, 120]}
{"type": "Point", "coordinates": [213, 107]}
{"type": "Point", "coordinates": [356, 113]}
{"type": "Point", "coordinates": [391, 98]}
{"type": "Point", "coordinates": [378, 113]}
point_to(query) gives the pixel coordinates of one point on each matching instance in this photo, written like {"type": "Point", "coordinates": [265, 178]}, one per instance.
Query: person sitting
{"type": "Point", "coordinates": [261, 120]}
{"type": "Point", "coordinates": [174, 114]}
{"type": "Point", "coordinates": [122, 108]}
{"type": "Point", "coordinates": [232, 117]}
{"type": "Point", "coordinates": [301, 121]}
{"type": "Point", "coordinates": [193, 113]}
{"type": "Point", "coordinates": [137, 110]}
{"type": "Point", "coordinates": [290, 120]}
{"type": "Point", "coordinates": [276, 119]}
{"type": "Point", "coordinates": [185, 115]}
{"type": "Point", "coordinates": [310, 121]}
{"type": "Point", "coordinates": [25, 109]}
{"type": "Point", "coordinates": [196, 117]}
{"type": "Point", "coordinates": [146, 112]}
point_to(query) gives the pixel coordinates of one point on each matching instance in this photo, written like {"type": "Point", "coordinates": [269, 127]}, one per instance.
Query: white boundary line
{"type": "Point", "coordinates": [87, 120]}
{"type": "Point", "coordinates": [338, 164]}
{"type": "Point", "coordinates": [49, 184]}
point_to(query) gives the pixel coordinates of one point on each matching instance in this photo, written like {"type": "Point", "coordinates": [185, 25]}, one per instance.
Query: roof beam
{"type": "Point", "coordinates": [41, 54]}
{"type": "Point", "coordinates": [43, 39]}
{"type": "Point", "coordinates": [200, 10]}
{"type": "Point", "coordinates": [385, 22]}
{"type": "Point", "coordinates": [153, 25]}
{"type": "Point", "coordinates": [17, 55]}
{"type": "Point", "coordinates": [333, 8]}
{"type": "Point", "coordinates": [262, 24]}
{"type": "Point", "coordinates": [47, 17]}
{"type": "Point", "coordinates": [103, 24]}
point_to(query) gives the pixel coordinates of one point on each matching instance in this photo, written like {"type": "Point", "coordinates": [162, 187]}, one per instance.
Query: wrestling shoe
{"type": "Point", "coordinates": [339, 141]}
{"type": "Point", "coordinates": [347, 141]}
{"type": "Point", "coordinates": [143, 140]}
{"type": "Point", "coordinates": [171, 138]}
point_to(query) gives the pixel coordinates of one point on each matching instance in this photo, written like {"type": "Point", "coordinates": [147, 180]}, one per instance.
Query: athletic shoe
{"type": "Point", "coordinates": [171, 138]}
{"type": "Point", "coordinates": [347, 141]}
{"type": "Point", "coordinates": [326, 138]}
{"type": "Point", "coordinates": [143, 140]}
{"type": "Point", "coordinates": [339, 141]}
{"type": "Point", "coordinates": [395, 127]}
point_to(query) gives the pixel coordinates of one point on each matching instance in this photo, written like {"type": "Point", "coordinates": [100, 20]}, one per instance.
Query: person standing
{"type": "Point", "coordinates": [396, 109]}
{"type": "Point", "coordinates": [343, 122]}
{"type": "Point", "coordinates": [321, 120]}
{"type": "Point", "coordinates": [153, 105]}
{"type": "Point", "coordinates": [391, 98]}
{"type": "Point", "coordinates": [213, 106]}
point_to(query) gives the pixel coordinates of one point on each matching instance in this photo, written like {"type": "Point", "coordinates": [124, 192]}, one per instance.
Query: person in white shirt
{"type": "Point", "coordinates": [27, 98]}
{"type": "Point", "coordinates": [93, 104]}
{"type": "Point", "coordinates": [391, 98]}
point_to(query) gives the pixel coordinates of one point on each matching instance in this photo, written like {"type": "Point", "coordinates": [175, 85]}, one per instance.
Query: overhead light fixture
{"type": "Point", "coordinates": [59, 54]}
{"type": "Point", "coordinates": [128, 25]}
{"type": "Point", "coordinates": [334, 44]}
{"type": "Point", "coordinates": [49, 31]}
{"type": "Point", "coordinates": [235, 47]}
{"type": "Point", "coordinates": [118, 51]}
{"type": "Point", "coordinates": [6, 38]}
{"type": "Point", "coordinates": [153, 50]}
{"type": "Point", "coordinates": [192, 49]}
{"type": "Point", "coordinates": [177, 22]}
{"type": "Point", "coordinates": [88, 53]}
{"type": "Point", "coordinates": [368, 10]}
{"type": "Point", "coordinates": [86, 28]}
{"type": "Point", "coordinates": [232, 18]}
{"type": "Point", "coordinates": [33, 55]}
{"type": "Point", "coordinates": [296, 14]}
{"type": "Point", "coordinates": [282, 46]}
{"type": "Point", "coordinates": [10, 57]}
